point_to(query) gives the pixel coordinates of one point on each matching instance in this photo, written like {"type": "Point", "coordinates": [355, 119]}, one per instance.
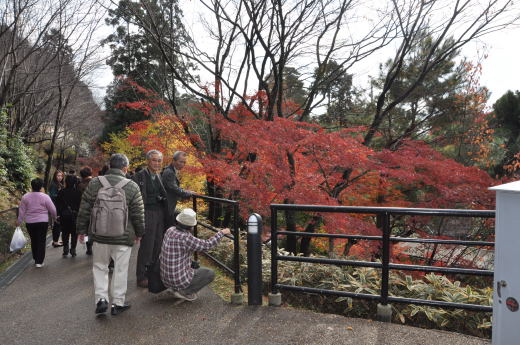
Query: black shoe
{"type": "Point", "coordinates": [73, 252]}
{"type": "Point", "coordinates": [118, 309]}
{"type": "Point", "coordinates": [101, 306]}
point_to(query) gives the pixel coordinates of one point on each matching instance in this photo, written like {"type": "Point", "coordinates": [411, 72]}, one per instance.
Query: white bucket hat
{"type": "Point", "coordinates": [187, 217]}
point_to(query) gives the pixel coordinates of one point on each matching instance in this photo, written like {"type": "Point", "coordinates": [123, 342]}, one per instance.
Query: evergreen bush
{"type": "Point", "coordinates": [6, 233]}
{"type": "Point", "coordinates": [16, 165]}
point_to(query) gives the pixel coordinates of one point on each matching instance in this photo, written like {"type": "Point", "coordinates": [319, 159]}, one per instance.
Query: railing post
{"type": "Point", "coordinates": [254, 259]}
{"type": "Point", "coordinates": [238, 296]}
{"type": "Point", "coordinates": [384, 310]}
{"type": "Point", "coordinates": [195, 233]}
{"type": "Point", "coordinates": [275, 298]}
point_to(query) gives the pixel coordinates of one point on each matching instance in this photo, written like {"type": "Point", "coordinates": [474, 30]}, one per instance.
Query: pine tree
{"type": "Point", "coordinates": [136, 58]}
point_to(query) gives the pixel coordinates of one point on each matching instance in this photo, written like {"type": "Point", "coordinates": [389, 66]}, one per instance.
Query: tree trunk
{"type": "Point", "coordinates": [48, 164]}
{"type": "Point", "coordinates": [305, 245]}
{"type": "Point", "coordinates": [211, 207]}
{"type": "Point", "coordinates": [435, 246]}
{"type": "Point", "coordinates": [330, 250]}
{"type": "Point", "coordinates": [217, 222]}
{"type": "Point", "coordinates": [348, 246]}
{"type": "Point", "coordinates": [228, 215]}
{"type": "Point", "coordinates": [291, 243]}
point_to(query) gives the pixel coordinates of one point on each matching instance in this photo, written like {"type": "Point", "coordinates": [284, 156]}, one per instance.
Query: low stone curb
{"type": "Point", "coordinates": [13, 271]}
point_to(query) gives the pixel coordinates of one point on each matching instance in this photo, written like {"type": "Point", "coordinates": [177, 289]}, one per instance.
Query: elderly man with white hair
{"type": "Point", "coordinates": [177, 250]}
{"type": "Point", "coordinates": [155, 213]}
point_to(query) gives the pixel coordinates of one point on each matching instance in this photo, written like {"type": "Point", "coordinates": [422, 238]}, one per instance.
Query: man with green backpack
{"type": "Point", "coordinates": [112, 213]}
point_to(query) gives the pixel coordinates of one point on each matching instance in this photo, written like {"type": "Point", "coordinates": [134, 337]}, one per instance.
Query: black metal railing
{"type": "Point", "coordinates": [10, 210]}
{"type": "Point", "coordinates": [235, 271]}
{"type": "Point", "coordinates": [385, 214]}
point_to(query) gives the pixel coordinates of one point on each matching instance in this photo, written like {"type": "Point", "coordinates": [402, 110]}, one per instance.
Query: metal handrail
{"type": "Point", "coordinates": [385, 213]}
{"type": "Point", "coordinates": [384, 210]}
{"type": "Point", "coordinates": [9, 210]}
{"type": "Point", "coordinates": [393, 239]}
{"type": "Point", "coordinates": [219, 200]}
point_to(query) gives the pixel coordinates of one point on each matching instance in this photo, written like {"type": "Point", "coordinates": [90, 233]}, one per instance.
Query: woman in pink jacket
{"type": "Point", "coordinates": [34, 211]}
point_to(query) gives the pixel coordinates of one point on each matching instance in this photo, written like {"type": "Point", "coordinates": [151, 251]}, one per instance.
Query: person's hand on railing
{"type": "Point", "coordinates": [226, 231]}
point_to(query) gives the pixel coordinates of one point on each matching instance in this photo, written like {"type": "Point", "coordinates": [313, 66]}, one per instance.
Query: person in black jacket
{"type": "Point", "coordinates": [67, 203]}
{"type": "Point", "coordinates": [55, 186]}
{"type": "Point", "coordinates": [86, 176]}
{"type": "Point", "coordinates": [172, 184]}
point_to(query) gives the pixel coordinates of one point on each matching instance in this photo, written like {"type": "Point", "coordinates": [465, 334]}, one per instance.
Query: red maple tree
{"type": "Point", "coordinates": [261, 162]}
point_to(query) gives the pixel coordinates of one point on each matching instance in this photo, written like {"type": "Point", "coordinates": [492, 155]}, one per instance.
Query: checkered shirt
{"type": "Point", "coordinates": [177, 248]}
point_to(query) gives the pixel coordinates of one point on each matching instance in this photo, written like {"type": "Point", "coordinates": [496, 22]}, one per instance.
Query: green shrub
{"type": "Point", "coordinates": [6, 233]}
{"type": "Point", "coordinates": [16, 165]}
{"type": "Point", "coordinates": [20, 169]}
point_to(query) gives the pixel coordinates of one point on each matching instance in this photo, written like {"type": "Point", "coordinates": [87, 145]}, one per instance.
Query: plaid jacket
{"type": "Point", "coordinates": [177, 248]}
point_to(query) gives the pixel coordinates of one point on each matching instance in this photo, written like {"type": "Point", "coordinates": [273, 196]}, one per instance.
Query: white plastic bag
{"type": "Point", "coordinates": [85, 239]}
{"type": "Point", "coordinates": [18, 241]}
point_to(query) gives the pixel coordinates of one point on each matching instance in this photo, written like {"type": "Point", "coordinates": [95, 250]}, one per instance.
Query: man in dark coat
{"type": "Point", "coordinates": [155, 208]}
{"type": "Point", "coordinates": [170, 178]}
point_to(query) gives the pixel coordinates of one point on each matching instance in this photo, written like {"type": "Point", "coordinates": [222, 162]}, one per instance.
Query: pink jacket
{"type": "Point", "coordinates": [35, 208]}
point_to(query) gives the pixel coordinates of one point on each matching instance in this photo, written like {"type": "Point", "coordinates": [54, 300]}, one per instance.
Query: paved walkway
{"type": "Point", "coordinates": [55, 305]}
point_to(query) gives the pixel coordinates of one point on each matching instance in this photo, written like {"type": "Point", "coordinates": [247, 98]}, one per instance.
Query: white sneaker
{"type": "Point", "coordinates": [39, 265]}
{"type": "Point", "coordinates": [187, 297]}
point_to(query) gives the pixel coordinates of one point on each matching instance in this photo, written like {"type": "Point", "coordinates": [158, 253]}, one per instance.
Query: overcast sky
{"type": "Point", "coordinates": [501, 68]}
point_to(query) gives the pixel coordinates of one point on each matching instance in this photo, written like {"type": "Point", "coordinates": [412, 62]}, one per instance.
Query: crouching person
{"type": "Point", "coordinates": [177, 249]}
{"type": "Point", "coordinates": [112, 213]}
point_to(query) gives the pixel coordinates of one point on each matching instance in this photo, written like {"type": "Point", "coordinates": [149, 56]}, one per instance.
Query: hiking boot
{"type": "Point", "coordinates": [101, 306]}
{"type": "Point", "coordinates": [118, 309]}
